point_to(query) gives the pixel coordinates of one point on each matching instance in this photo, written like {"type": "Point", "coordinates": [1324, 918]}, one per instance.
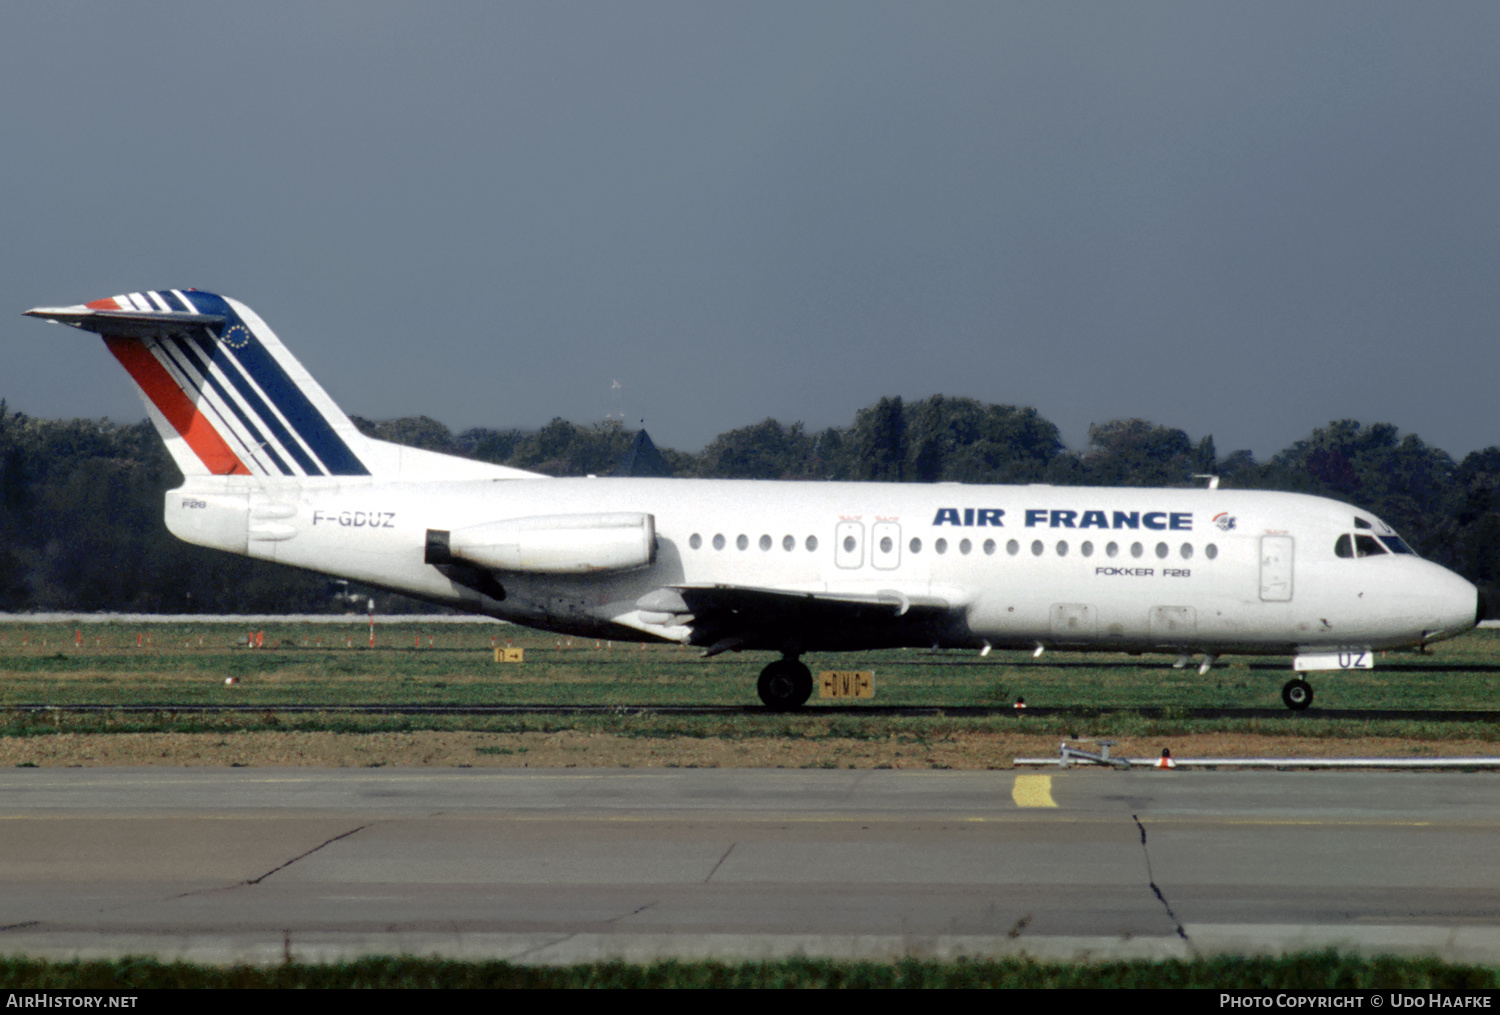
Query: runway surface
{"type": "Point", "coordinates": [257, 865]}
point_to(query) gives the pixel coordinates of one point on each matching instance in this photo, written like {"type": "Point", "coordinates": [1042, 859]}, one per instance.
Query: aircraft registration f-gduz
{"type": "Point", "coordinates": [273, 469]}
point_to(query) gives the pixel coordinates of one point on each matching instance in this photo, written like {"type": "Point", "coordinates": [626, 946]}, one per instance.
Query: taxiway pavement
{"type": "Point", "coordinates": [257, 865]}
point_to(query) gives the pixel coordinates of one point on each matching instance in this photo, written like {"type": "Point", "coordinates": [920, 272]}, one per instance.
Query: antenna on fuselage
{"type": "Point", "coordinates": [1213, 481]}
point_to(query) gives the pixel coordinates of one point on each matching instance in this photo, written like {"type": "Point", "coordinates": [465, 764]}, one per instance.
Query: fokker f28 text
{"type": "Point", "coordinates": [273, 469]}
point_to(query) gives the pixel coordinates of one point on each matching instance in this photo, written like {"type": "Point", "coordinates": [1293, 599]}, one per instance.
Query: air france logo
{"type": "Point", "coordinates": [1055, 518]}
{"type": "Point", "coordinates": [1224, 520]}
{"type": "Point", "coordinates": [1061, 518]}
{"type": "Point", "coordinates": [971, 517]}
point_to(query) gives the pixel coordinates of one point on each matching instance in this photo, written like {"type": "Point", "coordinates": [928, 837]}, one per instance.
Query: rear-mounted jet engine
{"type": "Point", "coordinates": [550, 544]}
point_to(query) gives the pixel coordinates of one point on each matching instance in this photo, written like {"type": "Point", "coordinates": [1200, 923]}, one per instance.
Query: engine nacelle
{"type": "Point", "coordinates": [550, 544]}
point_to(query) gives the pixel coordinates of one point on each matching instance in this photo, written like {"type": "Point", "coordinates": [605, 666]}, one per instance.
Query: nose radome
{"type": "Point", "coordinates": [1462, 606]}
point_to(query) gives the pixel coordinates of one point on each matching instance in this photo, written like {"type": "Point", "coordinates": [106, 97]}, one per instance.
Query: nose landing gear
{"type": "Point", "coordinates": [1297, 694]}
{"type": "Point", "coordinates": [785, 685]}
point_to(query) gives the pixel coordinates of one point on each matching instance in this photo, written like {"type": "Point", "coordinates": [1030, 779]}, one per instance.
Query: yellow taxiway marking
{"type": "Point", "coordinates": [1033, 791]}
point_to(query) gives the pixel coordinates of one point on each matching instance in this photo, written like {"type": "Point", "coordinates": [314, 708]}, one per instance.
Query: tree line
{"type": "Point", "coordinates": [81, 500]}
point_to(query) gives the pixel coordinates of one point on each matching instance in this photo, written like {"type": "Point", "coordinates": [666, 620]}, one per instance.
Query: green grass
{"type": "Point", "coordinates": [313, 664]}
{"type": "Point", "coordinates": [917, 730]}
{"type": "Point", "coordinates": [1321, 970]}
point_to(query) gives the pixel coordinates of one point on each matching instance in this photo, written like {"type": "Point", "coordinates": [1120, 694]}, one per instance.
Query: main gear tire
{"type": "Point", "coordinates": [785, 685]}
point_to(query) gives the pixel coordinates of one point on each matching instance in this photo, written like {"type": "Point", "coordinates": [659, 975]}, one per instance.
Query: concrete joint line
{"type": "Point", "coordinates": [1151, 879]}
{"type": "Point", "coordinates": [541, 947]}
{"type": "Point", "coordinates": [300, 856]}
{"type": "Point", "coordinates": [720, 863]}
{"type": "Point", "coordinates": [637, 911]}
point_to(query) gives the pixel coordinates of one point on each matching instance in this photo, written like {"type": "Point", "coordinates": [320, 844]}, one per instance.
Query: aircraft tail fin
{"type": "Point", "coordinates": [229, 399]}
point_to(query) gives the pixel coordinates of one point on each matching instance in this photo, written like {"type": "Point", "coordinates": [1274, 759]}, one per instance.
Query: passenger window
{"type": "Point", "coordinates": [964, 547]}
{"type": "Point", "coordinates": [1112, 550]}
{"type": "Point", "coordinates": [742, 541]}
{"type": "Point", "coordinates": [941, 546]}
{"type": "Point", "coordinates": [1062, 547]}
{"type": "Point", "coordinates": [1344, 546]}
{"type": "Point", "coordinates": [812, 543]}
{"type": "Point", "coordinates": [695, 540]}
{"type": "Point", "coordinates": [1012, 547]}
{"type": "Point", "coordinates": [1036, 548]}
{"type": "Point", "coordinates": [1162, 549]}
{"type": "Point", "coordinates": [788, 543]}
{"type": "Point", "coordinates": [916, 545]}
{"type": "Point", "coordinates": [765, 542]}
{"type": "Point", "coordinates": [1187, 551]}
{"type": "Point", "coordinates": [849, 544]}
{"type": "Point", "coordinates": [1136, 549]}
{"type": "Point", "coordinates": [719, 541]}
{"type": "Point", "coordinates": [1087, 549]}
{"type": "Point", "coordinates": [1211, 551]}
{"type": "Point", "coordinates": [886, 545]}
{"type": "Point", "coordinates": [989, 547]}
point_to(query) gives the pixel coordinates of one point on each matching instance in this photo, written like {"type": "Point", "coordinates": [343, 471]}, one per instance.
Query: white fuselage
{"type": "Point", "coordinates": [1066, 567]}
{"type": "Point", "coordinates": [274, 469]}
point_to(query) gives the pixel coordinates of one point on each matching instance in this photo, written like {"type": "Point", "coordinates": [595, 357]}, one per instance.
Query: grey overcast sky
{"type": "Point", "coordinates": [1241, 219]}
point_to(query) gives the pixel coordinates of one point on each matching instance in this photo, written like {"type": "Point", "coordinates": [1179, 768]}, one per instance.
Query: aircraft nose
{"type": "Point", "coordinates": [1463, 606]}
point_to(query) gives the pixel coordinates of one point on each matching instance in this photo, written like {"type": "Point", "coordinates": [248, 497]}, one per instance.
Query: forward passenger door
{"type": "Point", "coordinates": [1276, 569]}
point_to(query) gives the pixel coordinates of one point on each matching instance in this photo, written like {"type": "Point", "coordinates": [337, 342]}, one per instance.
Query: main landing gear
{"type": "Point", "coordinates": [785, 685]}
{"type": "Point", "coordinates": [1297, 694]}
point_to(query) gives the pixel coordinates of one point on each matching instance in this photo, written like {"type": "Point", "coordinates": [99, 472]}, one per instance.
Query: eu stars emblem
{"type": "Point", "coordinates": [236, 336]}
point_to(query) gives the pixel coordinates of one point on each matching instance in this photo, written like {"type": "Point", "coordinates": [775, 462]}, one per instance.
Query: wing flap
{"type": "Point", "coordinates": [727, 617]}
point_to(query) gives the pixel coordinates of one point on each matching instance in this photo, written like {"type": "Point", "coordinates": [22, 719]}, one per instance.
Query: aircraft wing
{"type": "Point", "coordinates": [726, 617]}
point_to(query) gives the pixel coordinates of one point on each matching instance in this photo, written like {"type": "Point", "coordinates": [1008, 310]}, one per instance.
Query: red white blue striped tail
{"type": "Point", "coordinates": [221, 388]}
{"type": "Point", "coordinates": [230, 400]}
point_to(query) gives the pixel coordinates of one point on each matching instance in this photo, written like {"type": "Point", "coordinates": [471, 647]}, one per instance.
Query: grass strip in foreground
{"type": "Point", "coordinates": [806, 726]}
{"type": "Point", "coordinates": [1315, 970]}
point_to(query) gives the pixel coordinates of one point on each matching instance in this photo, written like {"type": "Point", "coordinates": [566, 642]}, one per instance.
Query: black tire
{"type": "Point", "coordinates": [785, 685]}
{"type": "Point", "coordinates": [1297, 694]}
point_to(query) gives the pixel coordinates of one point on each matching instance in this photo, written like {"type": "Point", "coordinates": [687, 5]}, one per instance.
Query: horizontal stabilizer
{"type": "Point", "coordinates": [128, 323]}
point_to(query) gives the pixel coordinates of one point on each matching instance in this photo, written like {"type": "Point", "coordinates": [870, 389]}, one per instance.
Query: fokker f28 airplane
{"type": "Point", "coordinates": [273, 469]}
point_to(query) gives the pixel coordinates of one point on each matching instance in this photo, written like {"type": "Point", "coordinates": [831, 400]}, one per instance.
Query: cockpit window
{"type": "Point", "coordinates": [1397, 545]}
{"type": "Point", "coordinates": [1360, 523]}
{"type": "Point", "coordinates": [1361, 545]}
